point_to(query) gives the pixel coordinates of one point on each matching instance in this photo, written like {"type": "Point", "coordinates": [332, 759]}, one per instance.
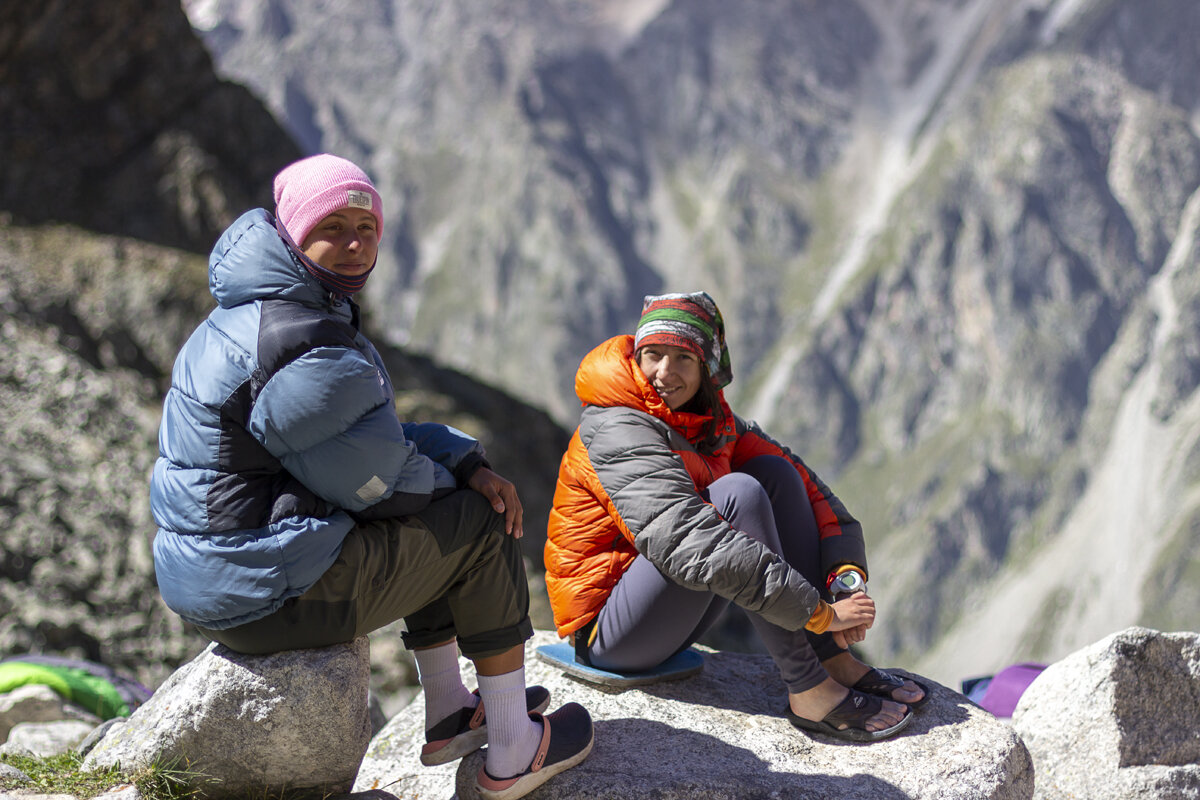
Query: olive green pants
{"type": "Point", "coordinates": [449, 571]}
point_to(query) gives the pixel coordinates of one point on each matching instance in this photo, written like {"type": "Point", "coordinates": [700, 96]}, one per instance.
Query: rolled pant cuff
{"type": "Point", "coordinates": [417, 641]}
{"type": "Point", "coordinates": [495, 642]}
{"type": "Point", "coordinates": [807, 676]}
{"type": "Point", "coordinates": [824, 646]}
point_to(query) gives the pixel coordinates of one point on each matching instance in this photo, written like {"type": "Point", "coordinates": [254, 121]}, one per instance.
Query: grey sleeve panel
{"type": "Point", "coordinates": [676, 530]}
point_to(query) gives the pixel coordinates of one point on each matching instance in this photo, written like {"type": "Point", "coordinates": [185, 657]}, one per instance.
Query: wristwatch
{"type": "Point", "coordinates": [848, 582]}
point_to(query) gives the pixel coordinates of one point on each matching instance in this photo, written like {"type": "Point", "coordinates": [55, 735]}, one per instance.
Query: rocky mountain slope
{"type": "Point", "coordinates": [85, 351]}
{"type": "Point", "coordinates": [954, 240]}
{"type": "Point", "coordinates": [132, 133]}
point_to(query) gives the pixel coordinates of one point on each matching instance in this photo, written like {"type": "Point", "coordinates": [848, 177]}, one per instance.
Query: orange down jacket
{"type": "Point", "coordinates": [629, 484]}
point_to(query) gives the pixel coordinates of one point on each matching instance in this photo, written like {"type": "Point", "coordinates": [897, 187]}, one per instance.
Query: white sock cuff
{"type": "Point", "coordinates": [509, 681]}
{"type": "Point", "coordinates": [436, 660]}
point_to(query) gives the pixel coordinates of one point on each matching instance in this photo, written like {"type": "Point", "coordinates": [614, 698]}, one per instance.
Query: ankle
{"type": "Point", "coordinates": [818, 701]}
{"type": "Point", "coordinates": [441, 683]}
{"type": "Point", "coordinates": [513, 737]}
{"type": "Point", "coordinates": [845, 668]}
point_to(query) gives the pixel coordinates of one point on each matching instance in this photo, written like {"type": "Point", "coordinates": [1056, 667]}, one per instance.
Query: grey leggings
{"type": "Point", "coordinates": [648, 618]}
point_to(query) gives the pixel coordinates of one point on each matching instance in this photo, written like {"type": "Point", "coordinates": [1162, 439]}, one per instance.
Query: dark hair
{"type": "Point", "coordinates": [707, 400]}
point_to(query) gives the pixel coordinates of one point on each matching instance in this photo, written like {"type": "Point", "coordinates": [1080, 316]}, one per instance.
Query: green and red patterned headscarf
{"type": "Point", "coordinates": [691, 321]}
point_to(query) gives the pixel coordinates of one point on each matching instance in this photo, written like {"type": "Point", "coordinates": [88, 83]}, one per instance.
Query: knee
{"type": "Point", "coordinates": [777, 476]}
{"type": "Point", "coordinates": [768, 467]}
{"type": "Point", "coordinates": [746, 503]}
{"type": "Point", "coordinates": [489, 526]}
{"type": "Point", "coordinates": [743, 486]}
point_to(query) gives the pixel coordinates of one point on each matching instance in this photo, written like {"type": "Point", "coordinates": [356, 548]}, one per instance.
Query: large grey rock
{"type": "Point", "coordinates": [721, 735]}
{"type": "Point", "coordinates": [297, 719]}
{"type": "Point", "coordinates": [126, 792]}
{"type": "Point", "coordinates": [1117, 719]}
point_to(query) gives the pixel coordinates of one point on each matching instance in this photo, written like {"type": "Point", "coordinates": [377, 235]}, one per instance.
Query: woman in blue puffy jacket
{"type": "Point", "coordinates": [295, 510]}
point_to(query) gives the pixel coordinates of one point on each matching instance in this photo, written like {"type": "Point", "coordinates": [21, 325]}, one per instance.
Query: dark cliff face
{"type": "Point", "coordinates": [133, 139]}
{"type": "Point", "coordinates": [114, 120]}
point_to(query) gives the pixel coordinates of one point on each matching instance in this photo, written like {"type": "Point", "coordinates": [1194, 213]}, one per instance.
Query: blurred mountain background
{"type": "Point", "coordinates": [954, 242]}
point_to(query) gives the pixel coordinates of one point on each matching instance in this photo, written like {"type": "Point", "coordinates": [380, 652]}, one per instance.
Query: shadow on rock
{"type": "Point", "coordinates": [635, 758]}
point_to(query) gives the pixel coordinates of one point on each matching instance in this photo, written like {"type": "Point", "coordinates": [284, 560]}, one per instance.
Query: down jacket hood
{"type": "Point", "coordinates": [251, 262]}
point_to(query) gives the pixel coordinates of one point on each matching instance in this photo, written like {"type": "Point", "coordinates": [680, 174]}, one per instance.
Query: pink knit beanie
{"type": "Point", "coordinates": [308, 190]}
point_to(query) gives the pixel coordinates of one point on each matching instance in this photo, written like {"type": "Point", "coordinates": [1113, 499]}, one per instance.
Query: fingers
{"type": "Point", "coordinates": [514, 513]}
{"type": "Point", "coordinates": [870, 621]}
{"type": "Point", "coordinates": [856, 609]}
{"type": "Point", "coordinates": [862, 609]}
{"type": "Point", "coordinates": [493, 496]}
{"type": "Point", "coordinates": [845, 638]}
{"type": "Point", "coordinates": [503, 497]}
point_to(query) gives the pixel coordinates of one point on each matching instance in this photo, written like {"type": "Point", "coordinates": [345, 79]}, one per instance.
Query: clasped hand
{"type": "Point", "coordinates": [851, 617]}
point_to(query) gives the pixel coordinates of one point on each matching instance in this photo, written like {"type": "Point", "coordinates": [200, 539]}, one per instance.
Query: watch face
{"type": "Point", "coordinates": [848, 582]}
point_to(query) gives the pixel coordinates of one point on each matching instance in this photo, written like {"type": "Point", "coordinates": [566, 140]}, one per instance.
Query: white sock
{"type": "Point", "coordinates": [442, 683]}
{"type": "Point", "coordinates": [513, 737]}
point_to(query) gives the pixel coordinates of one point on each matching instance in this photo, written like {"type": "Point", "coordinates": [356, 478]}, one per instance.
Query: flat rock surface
{"type": "Point", "coordinates": [721, 734]}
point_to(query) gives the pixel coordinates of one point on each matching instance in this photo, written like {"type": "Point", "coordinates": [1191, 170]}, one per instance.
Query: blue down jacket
{"type": "Point", "coordinates": [278, 432]}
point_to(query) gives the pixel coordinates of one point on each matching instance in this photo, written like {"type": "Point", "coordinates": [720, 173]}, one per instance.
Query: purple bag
{"type": "Point", "coordinates": [999, 693]}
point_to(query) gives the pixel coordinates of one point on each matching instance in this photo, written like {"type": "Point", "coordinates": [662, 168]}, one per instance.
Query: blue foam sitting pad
{"type": "Point", "coordinates": [678, 666]}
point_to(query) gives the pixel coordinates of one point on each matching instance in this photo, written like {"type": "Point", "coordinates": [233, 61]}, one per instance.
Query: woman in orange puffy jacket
{"type": "Point", "coordinates": [669, 507]}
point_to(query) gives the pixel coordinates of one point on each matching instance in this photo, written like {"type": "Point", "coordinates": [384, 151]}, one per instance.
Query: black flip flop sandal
{"type": "Point", "coordinates": [882, 683]}
{"type": "Point", "coordinates": [854, 711]}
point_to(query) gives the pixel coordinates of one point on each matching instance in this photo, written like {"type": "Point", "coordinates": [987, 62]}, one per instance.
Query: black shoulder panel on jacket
{"type": "Point", "coordinates": [254, 489]}
{"type": "Point", "coordinates": [288, 330]}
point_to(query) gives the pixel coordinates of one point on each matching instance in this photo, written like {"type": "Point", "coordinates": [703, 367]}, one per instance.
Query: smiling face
{"type": "Point", "coordinates": [345, 242]}
{"type": "Point", "coordinates": [674, 372]}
